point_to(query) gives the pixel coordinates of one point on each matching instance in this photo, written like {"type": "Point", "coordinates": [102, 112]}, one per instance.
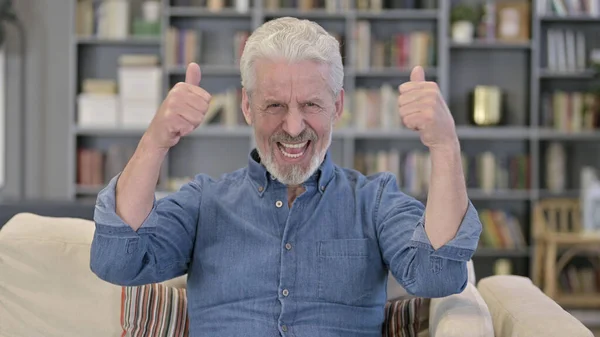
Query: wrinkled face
{"type": "Point", "coordinates": [293, 112]}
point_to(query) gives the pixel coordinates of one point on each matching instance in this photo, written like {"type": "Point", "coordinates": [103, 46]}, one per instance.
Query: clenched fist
{"type": "Point", "coordinates": [422, 108]}
{"type": "Point", "coordinates": [181, 112]}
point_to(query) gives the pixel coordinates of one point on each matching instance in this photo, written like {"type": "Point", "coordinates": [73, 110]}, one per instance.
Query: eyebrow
{"type": "Point", "coordinates": [271, 101]}
{"type": "Point", "coordinates": [314, 99]}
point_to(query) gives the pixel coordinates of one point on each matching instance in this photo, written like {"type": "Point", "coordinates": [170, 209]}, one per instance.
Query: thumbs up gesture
{"type": "Point", "coordinates": [181, 112]}
{"type": "Point", "coordinates": [422, 108]}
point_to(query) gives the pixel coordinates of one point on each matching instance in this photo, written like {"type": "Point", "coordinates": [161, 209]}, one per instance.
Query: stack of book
{"type": "Point", "coordinates": [569, 7]}
{"type": "Point", "coordinates": [501, 230]}
{"type": "Point", "coordinates": [486, 171]}
{"type": "Point", "coordinates": [376, 108]}
{"type": "Point", "coordinates": [98, 104]}
{"type": "Point", "coordinates": [399, 50]}
{"type": "Point", "coordinates": [241, 6]}
{"type": "Point", "coordinates": [307, 5]}
{"type": "Point", "coordinates": [566, 50]}
{"type": "Point", "coordinates": [185, 45]}
{"type": "Point", "coordinates": [570, 111]}
{"type": "Point", "coordinates": [140, 89]}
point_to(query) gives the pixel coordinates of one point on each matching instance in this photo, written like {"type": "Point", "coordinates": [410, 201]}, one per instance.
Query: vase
{"type": "Point", "coordinates": [462, 32]}
{"type": "Point", "coordinates": [486, 105]}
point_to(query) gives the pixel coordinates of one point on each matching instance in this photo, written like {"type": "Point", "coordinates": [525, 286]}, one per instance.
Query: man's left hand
{"type": "Point", "coordinates": [422, 108]}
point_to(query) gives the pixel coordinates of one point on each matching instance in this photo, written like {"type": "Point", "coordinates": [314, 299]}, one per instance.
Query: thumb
{"type": "Point", "coordinates": [193, 74]}
{"type": "Point", "coordinates": [417, 74]}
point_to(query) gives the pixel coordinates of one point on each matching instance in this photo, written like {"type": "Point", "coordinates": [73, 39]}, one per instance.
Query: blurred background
{"type": "Point", "coordinates": [81, 80]}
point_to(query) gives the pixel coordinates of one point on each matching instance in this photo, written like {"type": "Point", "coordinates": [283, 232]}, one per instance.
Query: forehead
{"type": "Point", "coordinates": [301, 79]}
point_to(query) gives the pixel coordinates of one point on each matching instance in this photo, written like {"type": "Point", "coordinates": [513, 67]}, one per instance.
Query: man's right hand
{"type": "Point", "coordinates": [180, 113]}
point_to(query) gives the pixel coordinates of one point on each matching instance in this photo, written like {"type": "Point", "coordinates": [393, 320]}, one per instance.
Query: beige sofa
{"type": "Point", "coordinates": [47, 290]}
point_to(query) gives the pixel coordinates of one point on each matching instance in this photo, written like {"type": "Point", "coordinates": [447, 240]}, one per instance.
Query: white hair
{"type": "Point", "coordinates": [293, 40]}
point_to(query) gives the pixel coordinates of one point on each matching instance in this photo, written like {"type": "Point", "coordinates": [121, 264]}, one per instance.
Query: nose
{"type": "Point", "coordinates": [294, 122]}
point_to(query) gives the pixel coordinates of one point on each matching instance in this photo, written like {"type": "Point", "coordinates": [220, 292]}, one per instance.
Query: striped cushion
{"type": "Point", "coordinates": [159, 310]}
{"type": "Point", "coordinates": [154, 310]}
{"type": "Point", "coordinates": [402, 318]}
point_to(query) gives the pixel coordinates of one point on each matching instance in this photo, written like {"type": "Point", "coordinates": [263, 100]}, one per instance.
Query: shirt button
{"type": "Point", "coordinates": [278, 203]}
{"type": "Point", "coordinates": [284, 328]}
{"type": "Point", "coordinates": [322, 188]}
{"type": "Point", "coordinates": [272, 177]}
{"type": "Point", "coordinates": [288, 246]}
{"type": "Point", "coordinates": [260, 188]}
{"type": "Point", "coordinates": [285, 292]}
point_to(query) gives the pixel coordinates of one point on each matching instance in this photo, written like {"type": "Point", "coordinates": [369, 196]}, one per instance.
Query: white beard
{"type": "Point", "coordinates": [293, 174]}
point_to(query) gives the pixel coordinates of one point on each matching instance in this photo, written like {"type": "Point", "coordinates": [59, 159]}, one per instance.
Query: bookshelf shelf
{"type": "Point", "coordinates": [478, 194]}
{"type": "Point", "coordinates": [574, 193]}
{"type": "Point", "coordinates": [307, 14]}
{"type": "Point", "coordinates": [92, 191]}
{"type": "Point", "coordinates": [495, 133]}
{"type": "Point", "coordinates": [581, 300]}
{"type": "Point", "coordinates": [223, 131]}
{"type": "Point", "coordinates": [570, 18]}
{"type": "Point", "coordinates": [199, 12]}
{"type": "Point", "coordinates": [88, 190]}
{"type": "Point", "coordinates": [499, 252]}
{"type": "Point", "coordinates": [130, 41]}
{"type": "Point", "coordinates": [202, 131]}
{"type": "Point", "coordinates": [108, 132]}
{"type": "Point", "coordinates": [482, 44]}
{"type": "Point", "coordinates": [391, 72]}
{"type": "Point", "coordinates": [389, 134]}
{"type": "Point", "coordinates": [494, 195]}
{"type": "Point", "coordinates": [464, 133]}
{"type": "Point", "coordinates": [208, 70]}
{"type": "Point", "coordinates": [550, 134]}
{"type": "Point", "coordinates": [399, 14]}
{"type": "Point", "coordinates": [553, 74]}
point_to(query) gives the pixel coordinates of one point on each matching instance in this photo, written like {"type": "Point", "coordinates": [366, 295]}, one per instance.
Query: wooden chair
{"type": "Point", "coordinates": [558, 238]}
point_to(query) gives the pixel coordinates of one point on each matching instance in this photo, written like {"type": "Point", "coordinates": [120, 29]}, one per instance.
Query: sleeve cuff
{"type": "Point", "coordinates": [108, 222]}
{"type": "Point", "coordinates": [462, 246]}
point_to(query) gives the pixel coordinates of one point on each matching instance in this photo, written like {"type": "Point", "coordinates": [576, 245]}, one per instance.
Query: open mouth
{"type": "Point", "coordinates": [293, 151]}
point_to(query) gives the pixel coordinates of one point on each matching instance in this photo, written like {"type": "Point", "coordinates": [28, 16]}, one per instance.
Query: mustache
{"type": "Point", "coordinates": [282, 136]}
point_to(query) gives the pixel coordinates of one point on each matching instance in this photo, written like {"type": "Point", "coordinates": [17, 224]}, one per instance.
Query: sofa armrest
{"type": "Point", "coordinates": [519, 308]}
{"type": "Point", "coordinates": [464, 315]}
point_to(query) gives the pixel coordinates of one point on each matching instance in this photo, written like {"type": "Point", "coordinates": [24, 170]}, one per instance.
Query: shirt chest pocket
{"type": "Point", "coordinates": [348, 271]}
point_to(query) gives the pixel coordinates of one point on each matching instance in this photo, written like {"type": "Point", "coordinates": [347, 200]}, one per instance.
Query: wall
{"type": "Point", "coordinates": [48, 76]}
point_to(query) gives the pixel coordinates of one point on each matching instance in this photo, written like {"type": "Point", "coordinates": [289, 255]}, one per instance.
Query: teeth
{"type": "Point", "coordinates": [292, 155]}
{"type": "Point", "coordinates": [295, 146]}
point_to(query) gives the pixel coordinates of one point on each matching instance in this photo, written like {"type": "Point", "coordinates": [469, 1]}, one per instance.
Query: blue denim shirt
{"type": "Point", "coordinates": [257, 267]}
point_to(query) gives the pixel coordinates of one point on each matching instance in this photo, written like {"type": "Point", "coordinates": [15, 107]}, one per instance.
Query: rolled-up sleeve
{"type": "Point", "coordinates": [159, 250]}
{"type": "Point", "coordinates": [422, 270]}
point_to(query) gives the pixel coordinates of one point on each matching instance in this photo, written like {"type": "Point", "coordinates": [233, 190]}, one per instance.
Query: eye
{"type": "Point", "coordinates": [274, 108]}
{"type": "Point", "coordinates": [311, 105]}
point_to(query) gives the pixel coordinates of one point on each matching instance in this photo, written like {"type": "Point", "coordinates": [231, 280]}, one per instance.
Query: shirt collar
{"type": "Point", "coordinates": [259, 175]}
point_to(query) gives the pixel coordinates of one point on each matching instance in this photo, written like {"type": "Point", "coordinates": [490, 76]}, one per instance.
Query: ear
{"type": "Point", "coordinates": [246, 107]}
{"type": "Point", "coordinates": [339, 106]}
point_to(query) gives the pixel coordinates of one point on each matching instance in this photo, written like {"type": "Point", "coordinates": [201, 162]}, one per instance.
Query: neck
{"type": "Point", "coordinates": [293, 192]}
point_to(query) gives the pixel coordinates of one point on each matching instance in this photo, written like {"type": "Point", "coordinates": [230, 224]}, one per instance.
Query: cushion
{"type": "Point", "coordinates": [154, 310]}
{"type": "Point", "coordinates": [46, 285]}
{"type": "Point", "coordinates": [161, 310]}
{"type": "Point", "coordinates": [521, 309]}
{"type": "Point", "coordinates": [403, 318]}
